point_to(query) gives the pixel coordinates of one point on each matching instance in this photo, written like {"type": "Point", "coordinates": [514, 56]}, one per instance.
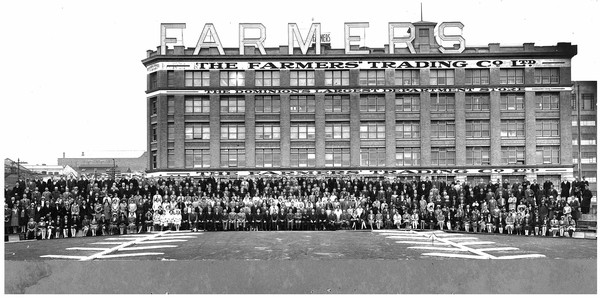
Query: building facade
{"type": "Point", "coordinates": [487, 112]}
{"type": "Point", "coordinates": [110, 163]}
{"type": "Point", "coordinates": [584, 101]}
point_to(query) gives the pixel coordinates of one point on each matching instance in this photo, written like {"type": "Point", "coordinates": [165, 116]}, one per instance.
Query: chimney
{"type": "Point", "coordinates": [63, 155]}
{"type": "Point", "coordinates": [82, 154]}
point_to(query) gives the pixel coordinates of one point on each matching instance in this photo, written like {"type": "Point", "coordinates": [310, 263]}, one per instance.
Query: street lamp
{"type": "Point", "coordinates": [114, 170]}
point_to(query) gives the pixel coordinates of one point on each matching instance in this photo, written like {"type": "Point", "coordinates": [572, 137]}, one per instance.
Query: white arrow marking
{"type": "Point", "coordinates": [522, 256]}
{"type": "Point", "coordinates": [110, 243]}
{"type": "Point", "coordinates": [113, 249]}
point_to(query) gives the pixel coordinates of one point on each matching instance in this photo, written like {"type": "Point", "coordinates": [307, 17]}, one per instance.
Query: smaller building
{"type": "Point", "coordinates": [107, 163]}
{"type": "Point", "coordinates": [44, 171]}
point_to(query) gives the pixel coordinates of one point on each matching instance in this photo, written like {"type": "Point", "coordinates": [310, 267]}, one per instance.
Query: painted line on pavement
{"type": "Point", "coordinates": [86, 248]}
{"type": "Point", "coordinates": [146, 247]}
{"type": "Point", "coordinates": [437, 248]}
{"type": "Point", "coordinates": [130, 255]}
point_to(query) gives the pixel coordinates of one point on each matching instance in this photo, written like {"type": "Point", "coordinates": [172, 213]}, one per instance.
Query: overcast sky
{"type": "Point", "coordinates": [73, 81]}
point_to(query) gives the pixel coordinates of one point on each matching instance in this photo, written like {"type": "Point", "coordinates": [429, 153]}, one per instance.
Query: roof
{"type": "Point", "coordinates": [106, 154]}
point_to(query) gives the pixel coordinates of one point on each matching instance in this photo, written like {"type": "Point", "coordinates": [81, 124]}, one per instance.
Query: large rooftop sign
{"type": "Point", "coordinates": [210, 39]}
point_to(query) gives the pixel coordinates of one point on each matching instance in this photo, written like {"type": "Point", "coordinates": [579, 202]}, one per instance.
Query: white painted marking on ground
{"type": "Point", "coordinates": [498, 248]}
{"type": "Point", "coordinates": [437, 248]}
{"type": "Point", "coordinates": [109, 243]}
{"type": "Point", "coordinates": [444, 234]}
{"type": "Point", "coordinates": [146, 247]}
{"type": "Point", "coordinates": [86, 248]}
{"type": "Point", "coordinates": [455, 255]}
{"type": "Point", "coordinates": [63, 257]}
{"type": "Point", "coordinates": [134, 235]}
{"type": "Point", "coordinates": [130, 255]}
{"type": "Point", "coordinates": [116, 248]}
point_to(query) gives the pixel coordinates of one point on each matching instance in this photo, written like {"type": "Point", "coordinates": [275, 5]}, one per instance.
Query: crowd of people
{"type": "Point", "coordinates": [62, 208]}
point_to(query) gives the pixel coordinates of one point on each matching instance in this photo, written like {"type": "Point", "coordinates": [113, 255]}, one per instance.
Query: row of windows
{"type": "Point", "coordinates": [376, 156]}
{"type": "Point", "coordinates": [439, 77]}
{"type": "Point", "coordinates": [368, 103]}
{"type": "Point", "coordinates": [368, 130]}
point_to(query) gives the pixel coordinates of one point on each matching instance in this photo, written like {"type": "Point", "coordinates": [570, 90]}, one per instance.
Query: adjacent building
{"type": "Point", "coordinates": [584, 101]}
{"type": "Point", "coordinates": [490, 112]}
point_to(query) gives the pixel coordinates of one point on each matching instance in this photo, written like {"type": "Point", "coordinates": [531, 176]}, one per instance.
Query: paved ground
{"type": "Point", "coordinates": [386, 261]}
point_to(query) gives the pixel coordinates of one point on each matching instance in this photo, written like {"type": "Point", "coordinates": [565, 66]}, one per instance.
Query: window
{"type": "Point", "coordinates": [513, 155]}
{"type": "Point", "coordinates": [337, 157]}
{"type": "Point", "coordinates": [547, 76]}
{"type": "Point", "coordinates": [170, 158]}
{"type": "Point", "coordinates": [337, 103]}
{"type": "Point", "coordinates": [170, 78]}
{"type": "Point", "coordinates": [512, 102]}
{"type": "Point", "coordinates": [302, 104]}
{"type": "Point", "coordinates": [477, 102]}
{"type": "Point", "coordinates": [154, 160]}
{"type": "Point", "coordinates": [302, 157]}
{"type": "Point", "coordinates": [372, 130]}
{"type": "Point", "coordinates": [512, 128]}
{"type": "Point", "coordinates": [477, 76]}
{"type": "Point", "coordinates": [233, 104]}
{"type": "Point", "coordinates": [423, 32]}
{"type": "Point", "coordinates": [171, 131]}
{"type": "Point", "coordinates": [232, 78]}
{"type": "Point", "coordinates": [372, 103]}
{"type": "Point", "coordinates": [197, 158]}
{"type": "Point", "coordinates": [267, 131]}
{"type": "Point", "coordinates": [441, 156]}
{"type": "Point", "coordinates": [588, 157]}
{"type": "Point", "coordinates": [197, 104]}
{"type": "Point", "coordinates": [408, 156]}
{"type": "Point", "coordinates": [233, 158]}
{"type": "Point", "coordinates": [267, 104]}
{"type": "Point", "coordinates": [170, 105]}
{"type": "Point", "coordinates": [585, 142]}
{"type": "Point", "coordinates": [196, 78]}
{"type": "Point", "coordinates": [511, 76]}
{"type": "Point", "coordinates": [588, 102]}
{"type": "Point", "coordinates": [197, 131]}
{"type": "Point", "coordinates": [374, 157]}
{"type": "Point", "coordinates": [547, 155]}
{"type": "Point", "coordinates": [153, 80]}
{"type": "Point", "coordinates": [441, 77]}
{"type": "Point", "coordinates": [337, 130]}
{"type": "Point", "coordinates": [337, 78]}
{"type": "Point", "coordinates": [154, 133]}
{"type": "Point", "coordinates": [478, 155]}
{"type": "Point", "coordinates": [408, 103]}
{"type": "Point", "coordinates": [478, 128]}
{"type": "Point", "coordinates": [406, 77]}
{"type": "Point", "coordinates": [233, 132]}
{"type": "Point", "coordinates": [302, 78]}
{"type": "Point", "coordinates": [268, 158]}
{"type": "Point", "coordinates": [546, 128]}
{"type": "Point", "coordinates": [584, 123]}
{"type": "Point", "coordinates": [266, 78]}
{"type": "Point", "coordinates": [546, 101]}
{"type": "Point", "coordinates": [442, 103]}
{"type": "Point", "coordinates": [302, 131]}
{"type": "Point", "coordinates": [442, 129]}
{"type": "Point", "coordinates": [371, 78]}
{"type": "Point", "coordinates": [408, 130]}
{"type": "Point", "coordinates": [153, 106]}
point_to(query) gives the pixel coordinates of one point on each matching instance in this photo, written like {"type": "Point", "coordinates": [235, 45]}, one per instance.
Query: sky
{"type": "Point", "coordinates": [73, 80]}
